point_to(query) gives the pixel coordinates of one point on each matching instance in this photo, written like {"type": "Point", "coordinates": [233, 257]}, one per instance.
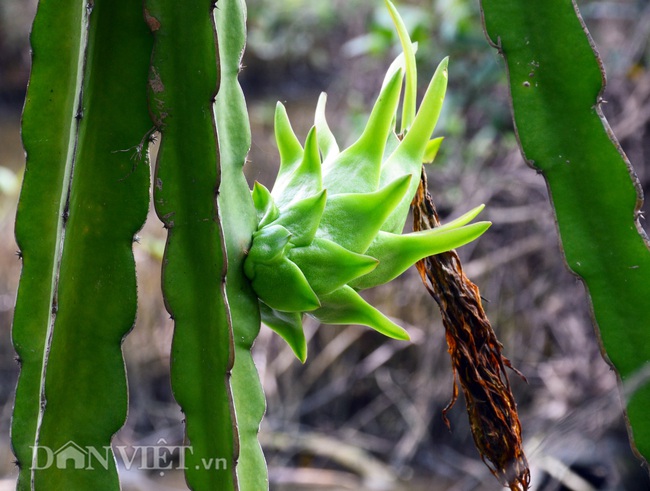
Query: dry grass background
{"type": "Point", "coordinates": [364, 412]}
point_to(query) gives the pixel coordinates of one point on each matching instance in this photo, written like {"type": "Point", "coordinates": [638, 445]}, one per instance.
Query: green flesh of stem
{"type": "Point", "coordinates": [239, 223]}
{"type": "Point", "coordinates": [85, 195]}
{"type": "Point", "coordinates": [185, 185]}
{"type": "Point", "coordinates": [555, 81]}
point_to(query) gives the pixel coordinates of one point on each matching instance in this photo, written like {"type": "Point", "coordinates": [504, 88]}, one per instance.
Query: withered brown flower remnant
{"type": "Point", "coordinates": [476, 357]}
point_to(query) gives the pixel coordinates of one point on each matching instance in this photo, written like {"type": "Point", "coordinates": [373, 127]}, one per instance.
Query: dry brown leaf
{"type": "Point", "coordinates": [476, 357]}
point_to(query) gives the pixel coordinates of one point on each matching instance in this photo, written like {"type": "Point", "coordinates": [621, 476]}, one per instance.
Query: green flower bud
{"type": "Point", "coordinates": [332, 226]}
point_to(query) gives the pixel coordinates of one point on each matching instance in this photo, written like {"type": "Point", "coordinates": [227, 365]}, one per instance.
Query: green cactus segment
{"type": "Point", "coordinates": [555, 82]}
{"type": "Point", "coordinates": [49, 130]}
{"type": "Point", "coordinates": [345, 306]}
{"type": "Point", "coordinates": [182, 83]}
{"type": "Point", "coordinates": [357, 169]}
{"type": "Point", "coordinates": [76, 223]}
{"type": "Point", "coordinates": [239, 219]}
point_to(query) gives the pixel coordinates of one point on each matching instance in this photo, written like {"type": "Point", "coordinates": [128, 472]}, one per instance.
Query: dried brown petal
{"type": "Point", "coordinates": [476, 357]}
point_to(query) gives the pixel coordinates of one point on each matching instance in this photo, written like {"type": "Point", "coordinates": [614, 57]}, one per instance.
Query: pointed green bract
{"type": "Point", "coordinates": [410, 91]}
{"type": "Point", "coordinates": [326, 140]}
{"type": "Point", "coordinates": [288, 144]}
{"type": "Point", "coordinates": [289, 147]}
{"type": "Point", "coordinates": [357, 169]}
{"type": "Point", "coordinates": [283, 286]}
{"type": "Point", "coordinates": [345, 306]}
{"type": "Point", "coordinates": [397, 63]}
{"type": "Point", "coordinates": [328, 266]}
{"type": "Point", "coordinates": [396, 253]}
{"type": "Point", "coordinates": [416, 139]}
{"type": "Point", "coordinates": [267, 211]}
{"type": "Point", "coordinates": [408, 156]}
{"type": "Point", "coordinates": [288, 325]}
{"type": "Point", "coordinates": [431, 150]}
{"type": "Point", "coordinates": [302, 218]}
{"type": "Point", "coordinates": [464, 219]}
{"type": "Point", "coordinates": [353, 220]}
{"type": "Point", "coordinates": [276, 279]}
{"type": "Point", "coordinates": [305, 179]}
{"type": "Point", "coordinates": [269, 244]}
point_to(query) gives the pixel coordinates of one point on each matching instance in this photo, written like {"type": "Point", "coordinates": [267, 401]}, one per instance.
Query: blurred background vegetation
{"type": "Point", "coordinates": [364, 412]}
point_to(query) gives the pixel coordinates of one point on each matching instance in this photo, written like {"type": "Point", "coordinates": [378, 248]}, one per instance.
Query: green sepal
{"type": "Point", "coordinates": [353, 220]}
{"type": "Point", "coordinates": [289, 146]}
{"type": "Point", "coordinates": [301, 218]}
{"type": "Point", "coordinates": [345, 306]}
{"type": "Point", "coordinates": [282, 286]}
{"type": "Point", "coordinates": [411, 85]}
{"type": "Point", "coordinates": [264, 205]}
{"type": "Point", "coordinates": [398, 62]}
{"type": "Point", "coordinates": [277, 281]}
{"type": "Point", "coordinates": [425, 121]}
{"type": "Point", "coordinates": [407, 158]}
{"type": "Point", "coordinates": [464, 219]}
{"type": "Point", "coordinates": [328, 266]}
{"type": "Point", "coordinates": [288, 325]}
{"type": "Point", "coordinates": [397, 253]}
{"type": "Point", "coordinates": [431, 150]}
{"type": "Point", "coordinates": [269, 244]}
{"type": "Point", "coordinates": [357, 168]}
{"type": "Point", "coordinates": [326, 140]}
{"type": "Point", "coordinates": [305, 180]}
